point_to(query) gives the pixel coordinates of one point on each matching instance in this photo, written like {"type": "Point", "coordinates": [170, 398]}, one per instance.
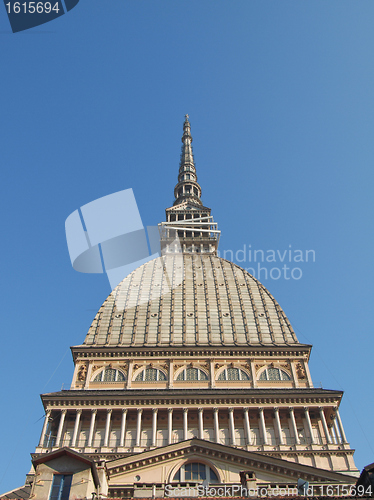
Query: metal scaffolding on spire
{"type": "Point", "coordinates": [188, 220]}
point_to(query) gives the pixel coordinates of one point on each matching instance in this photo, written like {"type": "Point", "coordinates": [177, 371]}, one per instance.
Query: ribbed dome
{"type": "Point", "coordinates": [190, 300]}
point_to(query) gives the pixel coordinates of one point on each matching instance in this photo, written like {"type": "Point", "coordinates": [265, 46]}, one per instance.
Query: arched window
{"type": "Point", "coordinates": [192, 374]}
{"type": "Point", "coordinates": [150, 375]}
{"type": "Point", "coordinates": [195, 471]}
{"type": "Point", "coordinates": [233, 374]}
{"type": "Point", "coordinates": [274, 374]}
{"type": "Point", "coordinates": [110, 375]}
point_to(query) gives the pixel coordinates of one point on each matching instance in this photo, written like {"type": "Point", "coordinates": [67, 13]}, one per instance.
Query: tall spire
{"type": "Point", "coordinates": [187, 188]}
{"type": "Point", "coordinates": [189, 227]}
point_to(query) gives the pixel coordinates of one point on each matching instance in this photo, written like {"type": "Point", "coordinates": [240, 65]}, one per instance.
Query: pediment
{"type": "Point", "coordinates": [64, 459]}
{"type": "Point", "coordinates": [224, 459]}
{"type": "Point", "coordinates": [62, 452]}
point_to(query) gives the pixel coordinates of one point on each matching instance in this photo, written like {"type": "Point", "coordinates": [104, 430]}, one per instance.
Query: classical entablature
{"type": "Point", "coordinates": [182, 396]}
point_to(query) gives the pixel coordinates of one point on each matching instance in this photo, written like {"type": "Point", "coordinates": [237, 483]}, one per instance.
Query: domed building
{"type": "Point", "coordinates": [190, 375]}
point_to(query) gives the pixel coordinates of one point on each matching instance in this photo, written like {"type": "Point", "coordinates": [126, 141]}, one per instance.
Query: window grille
{"type": "Point", "coordinates": [233, 374]}
{"type": "Point", "coordinates": [191, 374]}
{"type": "Point", "coordinates": [274, 374]}
{"type": "Point", "coordinates": [150, 375]}
{"type": "Point", "coordinates": [110, 375]}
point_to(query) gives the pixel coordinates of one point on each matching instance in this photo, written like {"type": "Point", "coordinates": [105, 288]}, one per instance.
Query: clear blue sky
{"type": "Point", "coordinates": [280, 98]}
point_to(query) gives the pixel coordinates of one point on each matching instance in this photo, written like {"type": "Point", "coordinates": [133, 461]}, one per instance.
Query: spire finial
{"type": "Point", "coordinates": [187, 187]}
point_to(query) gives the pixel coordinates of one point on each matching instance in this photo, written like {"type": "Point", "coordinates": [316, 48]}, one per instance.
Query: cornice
{"type": "Point", "coordinates": [181, 398]}
{"type": "Point", "coordinates": [93, 456]}
{"type": "Point", "coordinates": [308, 453]}
{"type": "Point", "coordinates": [297, 350]}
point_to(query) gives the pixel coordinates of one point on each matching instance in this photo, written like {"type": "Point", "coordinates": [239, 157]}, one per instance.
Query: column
{"type": "Point", "coordinates": [332, 435]}
{"type": "Point", "coordinates": [324, 424]}
{"type": "Point", "coordinates": [306, 412]}
{"type": "Point", "coordinates": [107, 426]}
{"type": "Point", "coordinates": [262, 425]}
{"type": "Point", "coordinates": [138, 427]}
{"type": "Point", "coordinates": [309, 378]}
{"type": "Point", "coordinates": [247, 426]}
{"type": "Point", "coordinates": [129, 374]}
{"type": "Point", "coordinates": [170, 425]}
{"type": "Point", "coordinates": [171, 374]}
{"type": "Point", "coordinates": [123, 427]}
{"type": "Point", "coordinates": [294, 374]}
{"type": "Point", "coordinates": [341, 428]}
{"type": "Point", "coordinates": [185, 423]}
{"type": "Point", "coordinates": [76, 428]}
{"type": "Point", "coordinates": [92, 427]}
{"type": "Point", "coordinates": [216, 425]}
{"type": "Point", "coordinates": [88, 376]}
{"type": "Point", "coordinates": [60, 427]}
{"type": "Point", "coordinates": [201, 424]}
{"type": "Point", "coordinates": [45, 425]}
{"type": "Point", "coordinates": [154, 426]}
{"type": "Point", "coordinates": [253, 373]}
{"type": "Point", "coordinates": [278, 425]}
{"type": "Point", "coordinates": [232, 426]}
{"type": "Point", "coordinates": [294, 428]}
{"type": "Point", "coordinates": [338, 438]}
{"type": "Point", "coordinates": [212, 374]}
